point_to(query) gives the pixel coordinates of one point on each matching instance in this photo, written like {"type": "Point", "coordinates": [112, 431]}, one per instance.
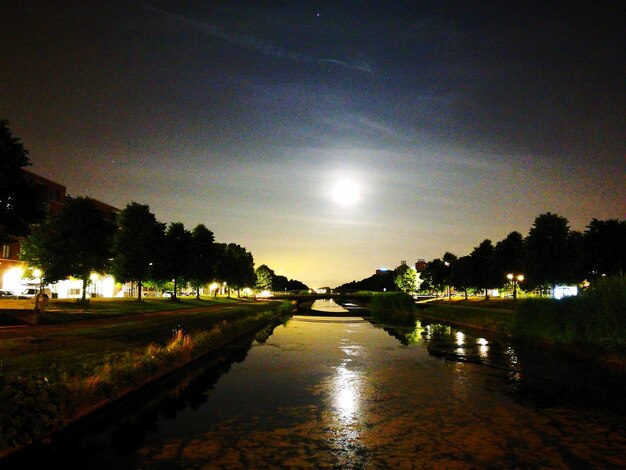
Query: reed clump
{"type": "Point", "coordinates": [595, 320]}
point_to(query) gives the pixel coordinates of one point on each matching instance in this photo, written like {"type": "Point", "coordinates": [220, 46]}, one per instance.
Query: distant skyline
{"type": "Point", "coordinates": [452, 121]}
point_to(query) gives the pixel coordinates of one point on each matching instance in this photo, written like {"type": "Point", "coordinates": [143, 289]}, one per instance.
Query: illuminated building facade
{"type": "Point", "coordinates": [16, 276]}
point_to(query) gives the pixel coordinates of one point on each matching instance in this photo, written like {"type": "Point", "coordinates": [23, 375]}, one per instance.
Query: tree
{"type": "Point", "coordinates": [604, 245]}
{"type": "Point", "coordinates": [461, 277]}
{"type": "Point", "coordinates": [294, 284]}
{"type": "Point", "coordinates": [75, 243]}
{"type": "Point", "coordinates": [21, 203]}
{"type": "Point", "coordinates": [280, 283]}
{"type": "Point", "coordinates": [481, 259]}
{"type": "Point", "coordinates": [135, 244]}
{"type": "Point", "coordinates": [405, 279]}
{"type": "Point", "coordinates": [508, 257]}
{"type": "Point", "coordinates": [448, 260]}
{"type": "Point", "coordinates": [378, 282]}
{"type": "Point", "coordinates": [547, 251]}
{"type": "Point", "coordinates": [236, 267]}
{"type": "Point", "coordinates": [435, 274]}
{"type": "Point", "coordinates": [175, 255]}
{"type": "Point", "coordinates": [264, 278]}
{"type": "Point", "coordinates": [202, 263]}
{"type": "Point", "coordinates": [438, 272]}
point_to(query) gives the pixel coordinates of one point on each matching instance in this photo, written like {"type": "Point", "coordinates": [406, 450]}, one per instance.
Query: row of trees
{"type": "Point", "coordinates": [268, 280]}
{"type": "Point", "coordinates": [550, 254]}
{"type": "Point", "coordinates": [137, 248]}
{"type": "Point", "coordinates": [402, 278]}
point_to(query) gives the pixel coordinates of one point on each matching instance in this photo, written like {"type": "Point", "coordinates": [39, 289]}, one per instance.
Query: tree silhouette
{"type": "Point", "coordinates": [605, 247]}
{"type": "Point", "coordinates": [202, 260]}
{"type": "Point", "coordinates": [21, 203]}
{"type": "Point", "coordinates": [236, 267]}
{"type": "Point", "coordinates": [175, 255]}
{"type": "Point", "coordinates": [508, 257]}
{"type": "Point", "coordinates": [547, 250]}
{"type": "Point", "coordinates": [481, 259]}
{"type": "Point", "coordinates": [462, 274]}
{"type": "Point", "coordinates": [136, 244]}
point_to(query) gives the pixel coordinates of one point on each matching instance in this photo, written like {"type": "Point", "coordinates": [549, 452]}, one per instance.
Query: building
{"type": "Point", "coordinates": [16, 276]}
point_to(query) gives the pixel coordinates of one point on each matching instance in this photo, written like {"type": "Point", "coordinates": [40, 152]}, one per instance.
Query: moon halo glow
{"type": "Point", "coordinates": [346, 192]}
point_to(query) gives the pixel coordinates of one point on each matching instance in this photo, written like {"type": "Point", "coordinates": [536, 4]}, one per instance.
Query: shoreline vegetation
{"type": "Point", "coordinates": [52, 375]}
{"type": "Point", "coordinates": [591, 325]}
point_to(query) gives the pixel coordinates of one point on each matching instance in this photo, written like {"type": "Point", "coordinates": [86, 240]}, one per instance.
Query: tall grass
{"type": "Point", "coordinates": [593, 321]}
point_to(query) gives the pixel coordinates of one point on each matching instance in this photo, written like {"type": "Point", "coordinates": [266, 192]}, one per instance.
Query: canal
{"type": "Point", "coordinates": [341, 392]}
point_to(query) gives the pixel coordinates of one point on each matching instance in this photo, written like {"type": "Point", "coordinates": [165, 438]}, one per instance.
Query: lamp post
{"type": "Point", "coordinates": [448, 266]}
{"type": "Point", "coordinates": [515, 278]}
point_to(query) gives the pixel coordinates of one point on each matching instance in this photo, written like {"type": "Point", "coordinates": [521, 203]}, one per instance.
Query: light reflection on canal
{"type": "Point", "coordinates": [339, 392]}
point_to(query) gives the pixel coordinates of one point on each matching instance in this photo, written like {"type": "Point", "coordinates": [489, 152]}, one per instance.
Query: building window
{"type": "Point", "coordinates": [5, 251]}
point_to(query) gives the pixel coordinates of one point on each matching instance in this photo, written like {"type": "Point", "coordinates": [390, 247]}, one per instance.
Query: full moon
{"type": "Point", "coordinates": [346, 193]}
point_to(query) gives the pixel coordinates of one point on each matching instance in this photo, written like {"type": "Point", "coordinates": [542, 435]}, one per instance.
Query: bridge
{"type": "Point", "coordinates": [351, 301]}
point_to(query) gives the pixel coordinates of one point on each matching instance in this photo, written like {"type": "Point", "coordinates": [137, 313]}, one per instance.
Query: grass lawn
{"type": "Point", "coordinates": [64, 310]}
{"type": "Point", "coordinates": [50, 372]}
{"type": "Point", "coordinates": [117, 326]}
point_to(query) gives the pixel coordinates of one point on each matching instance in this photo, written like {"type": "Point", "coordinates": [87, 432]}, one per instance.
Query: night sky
{"type": "Point", "coordinates": [456, 121]}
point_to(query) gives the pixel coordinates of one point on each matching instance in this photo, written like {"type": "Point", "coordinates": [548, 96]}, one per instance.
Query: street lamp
{"type": "Point", "coordinates": [448, 266]}
{"type": "Point", "coordinates": [515, 278]}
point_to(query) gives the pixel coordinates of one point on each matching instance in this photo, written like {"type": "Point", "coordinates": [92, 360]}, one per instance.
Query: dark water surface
{"type": "Point", "coordinates": [340, 392]}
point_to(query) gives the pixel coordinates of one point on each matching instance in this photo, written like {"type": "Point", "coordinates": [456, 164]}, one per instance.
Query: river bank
{"type": "Point", "coordinates": [494, 317]}
{"type": "Point", "coordinates": [53, 375]}
{"type": "Point", "coordinates": [328, 392]}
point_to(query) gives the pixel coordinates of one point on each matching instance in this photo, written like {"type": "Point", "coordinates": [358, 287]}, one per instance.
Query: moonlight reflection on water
{"type": "Point", "coordinates": [339, 392]}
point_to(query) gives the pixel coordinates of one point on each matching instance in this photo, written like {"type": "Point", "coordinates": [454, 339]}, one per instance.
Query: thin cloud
{"type": "Point", "coordinates": [254, 43]}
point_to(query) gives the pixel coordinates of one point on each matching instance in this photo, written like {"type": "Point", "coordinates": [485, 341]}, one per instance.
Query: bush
{"type": "Point", "coordinates": [595, 320]}
{"type": "Point", "coordinates": [396, 307]}
{"type": "Point", "coordinates": [31, 407]}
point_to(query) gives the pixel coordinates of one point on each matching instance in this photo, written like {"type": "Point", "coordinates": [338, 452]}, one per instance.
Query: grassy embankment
{"type": "Point", "coordinates": [400, 309]}
{"type": "Point", "coordinates": [52, 373]}
{"type": "Point", "coordinates": [593, 322]}
{"type": "Point", "coordinates": [497, 315]}
{"type": "Point", "coordinates": [65, 310]}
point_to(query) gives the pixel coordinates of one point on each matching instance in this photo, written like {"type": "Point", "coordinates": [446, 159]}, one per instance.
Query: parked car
{"type": "Point", "coordinates": [29, 293]}
{"type": "Point", "coordinates": [7, 294]}
{"type": "Point", "coordinates": [168, 293]}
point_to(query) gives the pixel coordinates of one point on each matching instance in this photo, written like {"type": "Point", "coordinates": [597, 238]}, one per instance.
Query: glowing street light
{"type": "Point", "coordinates": [515, 278]}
